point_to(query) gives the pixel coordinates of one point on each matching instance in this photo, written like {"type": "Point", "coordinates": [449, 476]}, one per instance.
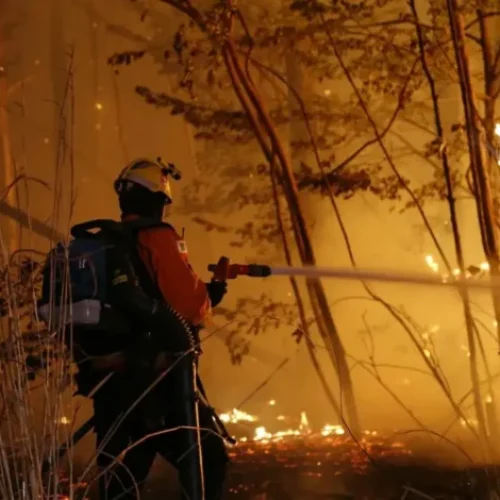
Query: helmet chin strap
{"type": "Point", "coordinates": [167, 211]}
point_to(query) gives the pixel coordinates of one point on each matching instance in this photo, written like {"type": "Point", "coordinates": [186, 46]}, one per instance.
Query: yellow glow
{"type": "Point", "coordinates": [272, 402]}
{"type": "Point", "coordinates": [98, 106]}
{"type": "Point", "coordinates": [497, 129]}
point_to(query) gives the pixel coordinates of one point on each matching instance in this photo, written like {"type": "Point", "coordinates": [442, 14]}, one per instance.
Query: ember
{"type": "Point", "coordinates": [290, 461]}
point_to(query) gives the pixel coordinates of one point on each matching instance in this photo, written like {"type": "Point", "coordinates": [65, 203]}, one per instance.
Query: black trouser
{"type": "Point", "coordinates": [120, 480]}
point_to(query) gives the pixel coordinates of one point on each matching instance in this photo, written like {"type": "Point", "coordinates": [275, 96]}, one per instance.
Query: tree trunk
{"type": "Point", "coordinates": [271, 146]}
{"type": "Point", "coordinates": [477, 151]}
{"type": "Point", "coordinates": [7, 169]}
{"type": "Point", "coordinates": [471, 329]}
{"type": "Point", "coordinates": [326, 325]}
{"type": "Point", "coordinates": [300, 303]}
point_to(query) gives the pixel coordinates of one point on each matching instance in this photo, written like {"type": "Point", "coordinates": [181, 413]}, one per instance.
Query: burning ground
{"type": "Point", "coordinates": [283, 458]}
{"type": "Point", "coordinates": [297, 462]}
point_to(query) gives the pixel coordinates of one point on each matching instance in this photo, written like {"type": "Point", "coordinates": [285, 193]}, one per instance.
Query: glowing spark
{"type": "Point", "coordinates": [327, 92]}
{"type": "Point", "coordinates": [272, 402]}
{"type": "Point", "coordinates": [484, 266]}
{"type": "Point", "coordinates": [429, 260]}
{"type": "Point", "coordinates": [489, 399]}
{"type": "Point", "coordinates": [427, 353]}
{"type": "Point", "coordinates": [64, 420]}
{"type": "Point", "coordinates": [98, 106]}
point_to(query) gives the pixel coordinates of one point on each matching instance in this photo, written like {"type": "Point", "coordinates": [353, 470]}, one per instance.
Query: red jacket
{"type": "Point", "coordinates": [165, 255]}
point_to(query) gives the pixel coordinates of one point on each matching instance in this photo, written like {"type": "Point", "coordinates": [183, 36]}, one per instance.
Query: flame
{"type": "Point", "coordinates": [456, 273]}
{"type": "Point", "coordinates": [328, 430]}
{"type": "Point", "coordinates": [304, 426]}
{"type": "Point", "coordinates": [261, 434]}
{"type": "Point", "coordinates": [235, 416]}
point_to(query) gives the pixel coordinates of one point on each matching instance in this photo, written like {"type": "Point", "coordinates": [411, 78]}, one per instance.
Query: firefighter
{"type": "Point", "coordinates": [165, 274]}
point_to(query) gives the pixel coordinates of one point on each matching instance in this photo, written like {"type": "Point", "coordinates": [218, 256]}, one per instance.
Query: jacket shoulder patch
{"type": "Point", "coordinates": [181, 246]}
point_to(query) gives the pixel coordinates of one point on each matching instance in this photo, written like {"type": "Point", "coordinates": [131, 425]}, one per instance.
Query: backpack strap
{"type": "Point", "coordinates": [84, 229]}
{"type": "Point", "coordinates": [143, 223]}
{"type": "Point", "coordinates": [147, 282]}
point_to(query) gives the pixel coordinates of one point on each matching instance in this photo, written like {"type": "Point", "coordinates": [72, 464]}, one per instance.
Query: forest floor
{"type": "Point", "coordinates": [336, 468]}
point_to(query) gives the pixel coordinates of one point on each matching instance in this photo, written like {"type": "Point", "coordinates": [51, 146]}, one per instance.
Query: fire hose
{"type": "Point", "coordinates": [223, 271]}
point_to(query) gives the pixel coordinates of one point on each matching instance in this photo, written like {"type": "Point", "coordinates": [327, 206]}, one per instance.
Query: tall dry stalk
{"type": "Point", "coordinates": [34, 373]}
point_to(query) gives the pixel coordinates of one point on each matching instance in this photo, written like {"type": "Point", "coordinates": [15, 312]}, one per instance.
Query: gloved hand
{"type": "Point", "coordinates": [216, 291]}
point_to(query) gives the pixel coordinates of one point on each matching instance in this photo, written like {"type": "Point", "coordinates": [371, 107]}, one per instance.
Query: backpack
{"type": "Point", "coordinates": [76, 277]}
